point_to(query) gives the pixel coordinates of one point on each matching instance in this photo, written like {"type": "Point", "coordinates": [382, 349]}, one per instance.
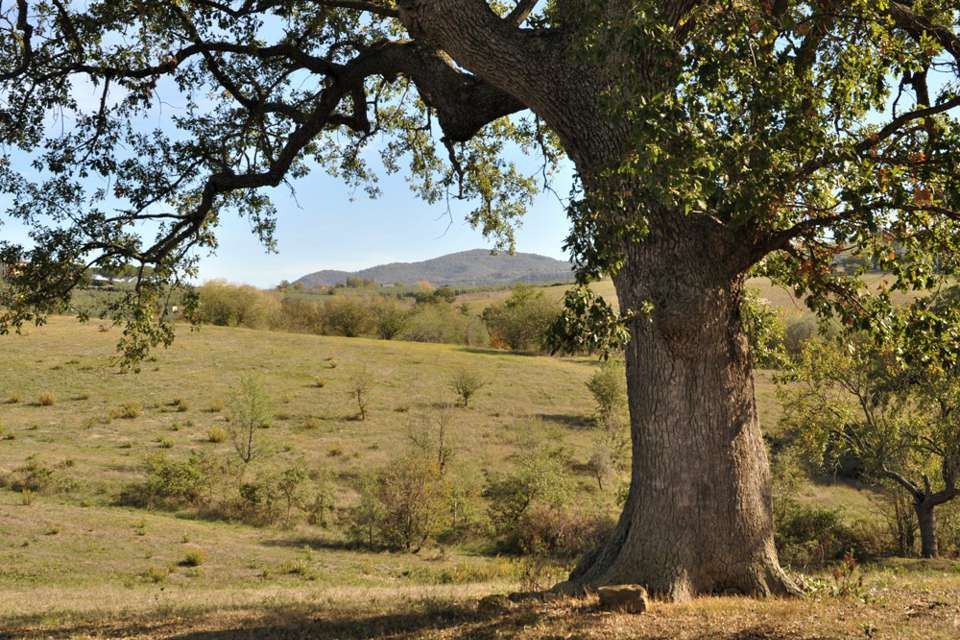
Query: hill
{"type": "Point", "coordinates": [466, 268]}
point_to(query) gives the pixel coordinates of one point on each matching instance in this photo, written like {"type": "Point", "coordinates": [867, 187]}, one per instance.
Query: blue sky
{"type": "Point", "coordinates": [325, 225]}
{"type": "Point", "coordinates": [323, 228]}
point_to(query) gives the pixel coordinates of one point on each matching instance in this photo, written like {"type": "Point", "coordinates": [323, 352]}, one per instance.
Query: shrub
{"type": "Point", "coordinates": [155, 574]}
{"type": "Point", "coordinates": [165, 443]}
{"type": "Point", "coordinates": [173, 484]}
{"type": "Point", "coordinates": [600, 465]}
{"type": "Point", "coordinates": [443, 323]}
{"type": "Point", "coordinates": [564, 533]}
{"type": "Point", "coordinates": [193, 558]}
{"type": "Point", "coordinates": [810, 536]}
{"type": "Point", "coordinates": [608, 388]}
{"type": "Point", "coordinates": [250, 409]}
{"type": "Point", "coordinates": [401, 506]}
{"type": "Point", "coordinates": [346, 316]}
{"type": "Point", "coordinates": [361, 384]}
{"type": "Point", "coordinates": [798, 332]}
{"type": "Point", "coordinates": [320, 504]}
{"type": "Point", "coordinates": [298, 314]}
{"type": "Point", "coordinates": [33, 477]}
{"type": "Point", "coordinates": [231, 305]}
{"type": "Point", "coordinates": [216, 434]}
{"type": "Point", "coordinates": [46, 399]}
{"type": "Point", "coordinates": [129, 411]}
{"type": "Point", "coordinates": [466, 383]}
{"type": "Point", "coordinates": [538, 482]}
{"type": "Point", "coordinates": [274, 496]}
{"type": "Point", "coordinates": [389, 319]}
{"type": "Point", "coordinates": [521, 321]}
{"type": "Point", "coordinates": [765, 331]}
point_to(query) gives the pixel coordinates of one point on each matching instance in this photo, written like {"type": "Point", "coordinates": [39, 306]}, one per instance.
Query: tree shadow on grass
{"type": "Point", "coordinates": [315, 543]}
{"type": "Point", "coordinates": [490, 351]}
{"type": "Point", "coordinates": [569, 421]}
{"type": "Point", "coordinates": [412, 620]}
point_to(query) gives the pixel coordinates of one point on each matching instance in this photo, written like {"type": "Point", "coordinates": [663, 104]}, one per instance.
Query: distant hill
{"type": "Point", "coordinates": [476, 267]}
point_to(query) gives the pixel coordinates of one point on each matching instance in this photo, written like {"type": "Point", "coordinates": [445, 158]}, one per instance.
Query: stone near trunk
{"type": "Point", "coordinates": [623, 598]}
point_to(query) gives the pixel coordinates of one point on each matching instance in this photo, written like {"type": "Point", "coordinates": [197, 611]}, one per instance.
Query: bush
{"type": "Point", "coordinates": [401, 506]}
{"type": "Point", "coordinates": [765, 331]}
{"type": "Point", "coordinates": [608, 388]}
{"type": "Point", "coordinates": [521, 321]}
{"type": "Point", "coordinates": [810, 536]}
{"type": "Point", "coordinates": [172, 484]}
{"type": "Point", "coordinates": [390, 319]}
{"type": "Point", "coordinates": [35, 477]}
{"type": "Point", "coordinates": [250, 409]}
{"type": "Point", "coordinates": [466, 383]}
{"type": "Point", "coordinates": [194, 558]}
{"type": "Point", "coordinates": [798, 332]}
{"type": "Point", "coordinates": [346, 316]}
{"type": "Point", "coordinates": [231, 305]}
{"type": "Point", "coordinates": [216, 434]}
{"type": "Point", "coordinates": [129, 411]}
{"type": "Point", "coordinates": [444, 323]}
{"type": "Point", "coordinates": [298, 314]}
{"type": "Point", "coordinates": [47, 399]}
{"type": "Point", "coordinates": [514, 500]}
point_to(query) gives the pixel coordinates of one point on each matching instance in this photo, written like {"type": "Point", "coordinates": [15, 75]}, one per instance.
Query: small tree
{"type": "Point", "coordinates": [538, 479]}
{"type": "Point", "coordinates": [402, 505]}
{"type": "Point", "coordinates": [432, 441]}
{"type": "Point", "coordinates": [608, 388]}
{"type": "Point", "coordinates": [894, 413]}
{"type": "Point", "coordinates": [361, 384]}
{"type": "Point", "coordinates": [346, 316]}
{"type": "Point", "coordinates": [521, 322]}
{"type": "Point", "coordinates": [600, 465]}
{"type": "Point", "coordinates": [466, 383]}
{"type": "Point", "coordinates": [390, 319]}
{"type": "Point", "coordinates": [250, 409]}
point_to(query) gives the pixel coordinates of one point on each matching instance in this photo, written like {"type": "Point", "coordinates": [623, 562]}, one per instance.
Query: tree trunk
{"type": "Point", "coordinates": [927, 520]}
{"type": "Point", "coordinates": [698, 516]}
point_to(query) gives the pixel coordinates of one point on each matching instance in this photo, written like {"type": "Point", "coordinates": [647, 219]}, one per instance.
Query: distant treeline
{"type": "Point", "coordinates": [519, 323]}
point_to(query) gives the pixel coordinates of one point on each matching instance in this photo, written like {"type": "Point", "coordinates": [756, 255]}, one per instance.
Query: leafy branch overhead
{"type": "Point", "coordinates": [269, 91]}
{"type": "Point", "coordinates": [801, 129]}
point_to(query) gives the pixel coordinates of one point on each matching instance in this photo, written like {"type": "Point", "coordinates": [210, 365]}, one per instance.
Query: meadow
{"type": "Point", "coordinates": [76, 562]}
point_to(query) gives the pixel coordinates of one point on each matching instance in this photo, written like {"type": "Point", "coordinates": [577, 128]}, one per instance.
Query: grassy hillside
{"type": "Point", "coordinates": [74, 560]}
{"type": "Point", "coordinates": [70, 542]}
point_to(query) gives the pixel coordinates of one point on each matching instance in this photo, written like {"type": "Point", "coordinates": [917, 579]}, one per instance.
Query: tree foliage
{"type": "Point", "coordinates": [893, 407]}
{"type": "Point", "coordinates": [805, 128]}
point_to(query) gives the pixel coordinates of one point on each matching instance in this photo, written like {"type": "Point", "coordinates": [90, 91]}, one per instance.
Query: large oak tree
{"type": "Point", "coordinates": [710, 138]}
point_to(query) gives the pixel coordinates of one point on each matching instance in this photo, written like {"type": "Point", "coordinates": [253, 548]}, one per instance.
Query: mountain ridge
{"type": "Point", "coordinates": [465, 268]}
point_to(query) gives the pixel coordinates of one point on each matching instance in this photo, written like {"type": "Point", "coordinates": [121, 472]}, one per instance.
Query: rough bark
{"type": "Point", "coordinates": [698, 516]}
{"type": "Point", "coordinates": [927, 521]}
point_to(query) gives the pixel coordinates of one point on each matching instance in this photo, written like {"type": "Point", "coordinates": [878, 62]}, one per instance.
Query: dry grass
{"type": "Point", "coordinates": [75, 565]}
{"type": "Point", "coordinates": [923, 604]}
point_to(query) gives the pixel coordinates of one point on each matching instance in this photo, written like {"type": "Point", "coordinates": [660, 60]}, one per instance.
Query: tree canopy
{"type": "Point", "coordinates": [806, 128]}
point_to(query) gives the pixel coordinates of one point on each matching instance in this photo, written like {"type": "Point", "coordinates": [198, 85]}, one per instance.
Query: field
{"type": "Point", "coordinates": [74, 564]}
